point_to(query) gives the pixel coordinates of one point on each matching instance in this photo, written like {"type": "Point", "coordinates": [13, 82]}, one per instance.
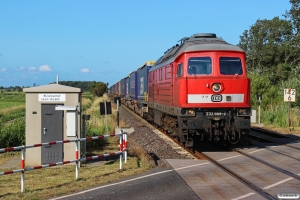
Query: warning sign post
{"type": "Point", "coordinates": [289, 95]}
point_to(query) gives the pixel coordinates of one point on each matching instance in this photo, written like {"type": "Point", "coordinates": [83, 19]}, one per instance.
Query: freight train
{"type": "Point", "coordinates": [198, 90]}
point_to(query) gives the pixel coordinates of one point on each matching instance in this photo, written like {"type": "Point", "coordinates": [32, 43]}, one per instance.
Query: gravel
{"type": "Point", "coordinates": [143, 137]}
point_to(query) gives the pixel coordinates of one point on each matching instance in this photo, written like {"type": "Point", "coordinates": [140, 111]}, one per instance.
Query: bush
{"type": "Point", "coordinates": [99, 89]}
{"type": "Point", "coordinates": [274, 111]}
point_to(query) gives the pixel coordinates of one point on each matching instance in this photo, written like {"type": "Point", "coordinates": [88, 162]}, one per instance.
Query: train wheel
{"type": "Point", "coordinates": [234, 137]}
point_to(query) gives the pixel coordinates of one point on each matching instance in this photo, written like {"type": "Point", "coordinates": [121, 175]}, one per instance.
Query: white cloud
{"type": "Point", "coordinates": [3, 70]}
{"type": "Point", "coordinates": [45, 68]}
{"type": "Point", "coordinates": [84, 70]}
{"type": "Point", "coordinates": [22, 68]}
{"type": "Point", "coordinates": [31, 68]}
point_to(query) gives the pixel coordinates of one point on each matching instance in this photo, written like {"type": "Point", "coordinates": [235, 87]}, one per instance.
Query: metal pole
{"type": "Point", "coordinates": [121, 149]}
{"type": "Point", "coordinates": [117, 113]}
{"type": "Point", "coordinates": [125, 146]}
{"type": "Point", "coordinates": [84, 136]}
{"type": "Point", "coordinates": [259, 113]}
{"type": "Point", "coordinates": [289, 119]}
{"type": "Point", "coordinates": [76, 156]}
{"type": "Point", "coordinates": [105, 117]}
{"type": "Point", "coordinates": [23, 167]}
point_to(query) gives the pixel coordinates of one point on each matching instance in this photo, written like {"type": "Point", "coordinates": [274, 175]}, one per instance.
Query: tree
{"type": "Point", "coordinates": [267, 44]}
{"type": "Point", "coordinates": [92, 85]}
{"type": "Point", "coordinates": [294, 15]}
{"type": "Point", "coordinates": [99, 89]}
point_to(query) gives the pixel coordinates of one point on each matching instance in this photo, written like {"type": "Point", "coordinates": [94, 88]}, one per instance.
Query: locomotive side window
{"type": "Point", "coordinates": [179, 69]}
{"type": "Point", "coordinates": [231, 66]}
{"type": "Point", "coordinates": [161, 74]}
{"type": "Point", "coordinates": [199, 65]}
{"type": "Point", "coordinates": [168, 72]}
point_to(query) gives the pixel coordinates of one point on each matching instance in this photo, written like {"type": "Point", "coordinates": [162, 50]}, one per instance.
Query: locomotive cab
{"type": "Point", "coordinates": [199, 89]}
{"type": "Point", "coordinates": [215, 98]}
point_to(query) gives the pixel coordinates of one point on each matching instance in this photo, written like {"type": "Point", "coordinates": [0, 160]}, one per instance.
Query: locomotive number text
{"type": "Point", "coordinates": [215, 113]}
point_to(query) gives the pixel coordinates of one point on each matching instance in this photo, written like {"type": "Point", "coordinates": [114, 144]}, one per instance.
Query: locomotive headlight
{"type": "Point", "coordinates": [216, 87]}
{"type": "Point", "coordinates": [244, 112]}
{"type": "Point", "coordinates": [185, 111]}
{"type": "Point", "coordinates": [191, 111]}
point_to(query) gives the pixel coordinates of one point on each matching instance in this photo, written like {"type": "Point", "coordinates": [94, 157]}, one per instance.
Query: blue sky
{"type": "Point", "coordinates": [98, 40]}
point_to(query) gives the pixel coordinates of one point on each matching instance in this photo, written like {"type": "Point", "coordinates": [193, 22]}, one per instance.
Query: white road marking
{"type": "Point", "coordinates": [113, 184]}
{"type": "Point", "coordinates": [181, 168]}
{"type": "Point", "coordinates": [256, 151]}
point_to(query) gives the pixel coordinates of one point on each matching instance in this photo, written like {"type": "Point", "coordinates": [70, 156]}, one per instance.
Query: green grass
{"type": "Point", "coordinates": [51, 182]}
{"type": "Point", "coordinates": [7, 104]}
{"type": "Point", "coordinates": [12, 96]}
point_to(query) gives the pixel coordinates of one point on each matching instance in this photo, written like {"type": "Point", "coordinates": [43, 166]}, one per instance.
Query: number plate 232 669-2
{"type": "Point", "coordinates": [215, 113]}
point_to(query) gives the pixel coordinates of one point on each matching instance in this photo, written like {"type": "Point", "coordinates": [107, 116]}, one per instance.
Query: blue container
{"type": "Point", "coordinates": [132, 86]}
{"type": "Point", "coordinates": [142, 80]}
{"type": "Point", "coordinates": [122, 87]}
{"type": "Point", "coordinates": [127, 84]}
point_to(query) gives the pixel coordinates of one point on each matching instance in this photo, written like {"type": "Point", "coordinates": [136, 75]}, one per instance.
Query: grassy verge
{"type": "Point", "coordinates": [52, 182]}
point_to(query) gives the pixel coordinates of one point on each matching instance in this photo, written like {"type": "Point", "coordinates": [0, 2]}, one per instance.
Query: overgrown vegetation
{"type": "Point", "coordinates": [274, 111]}
{"type": "Point", "coordinates": [272, 49]}
{"type": "Point", "coordinates": [12, 119]}
{"type": "Point", "coordinates": [98, 124]}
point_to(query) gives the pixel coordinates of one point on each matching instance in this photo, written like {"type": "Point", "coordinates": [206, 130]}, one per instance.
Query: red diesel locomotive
{"type": "Point", "coordinates": [199, 89]}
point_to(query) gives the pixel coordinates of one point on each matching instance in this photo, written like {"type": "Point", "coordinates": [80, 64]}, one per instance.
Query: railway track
{"type": "Point", "coordinates": [254, 187]}
{"type": "Point", "coordinates": [274, 134]}
{"type": "Point", "coordinates": [248, 183]}
{"type": "Point", "coordinates": [180, 149]}
{"type": "Point", "coordinates": [273, 137]}
{"type": "Point", "coordinates": [258, 189]}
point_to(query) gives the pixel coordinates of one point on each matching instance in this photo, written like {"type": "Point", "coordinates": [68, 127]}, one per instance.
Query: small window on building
{"type": "Point", "coordinates": [179, 69]}
{"type": "Point", "coordinates": [231, 66]}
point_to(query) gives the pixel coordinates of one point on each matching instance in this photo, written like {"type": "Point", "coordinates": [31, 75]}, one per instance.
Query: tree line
{"type": "Point", "coordinates": [272, 49]}
{"type": "Point", "coordinates": [273, 46]}
{"type": "Point", "coordinates": [96, 88]}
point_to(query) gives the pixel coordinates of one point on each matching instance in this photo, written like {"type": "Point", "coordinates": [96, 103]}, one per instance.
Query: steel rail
{"type": "Point", "coordinates": [257, 189]}
{"type": "Point", "coordinates": [274, 141]}
{"type": "Point", "coordinates": [274, 133]}
{"type": "Point", "coordinates": [263, 146]}
{"type": "Point", "coordinates": [269, 165]}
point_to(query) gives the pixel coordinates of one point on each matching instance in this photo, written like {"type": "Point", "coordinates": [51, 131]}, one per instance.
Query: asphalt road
{"type": "Point", "coordinates": [159, 183]}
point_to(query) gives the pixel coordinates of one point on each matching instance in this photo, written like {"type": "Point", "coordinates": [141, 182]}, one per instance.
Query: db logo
{"type": "Point", "coordinates": [216, 98]}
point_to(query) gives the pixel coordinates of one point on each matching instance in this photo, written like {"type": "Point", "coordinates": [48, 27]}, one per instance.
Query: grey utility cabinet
{"type": "Point", "coordinates": [52, 114]}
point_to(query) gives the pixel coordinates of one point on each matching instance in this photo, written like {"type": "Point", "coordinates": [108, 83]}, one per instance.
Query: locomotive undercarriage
{"type": "Point", "coordinates": [229, 129]}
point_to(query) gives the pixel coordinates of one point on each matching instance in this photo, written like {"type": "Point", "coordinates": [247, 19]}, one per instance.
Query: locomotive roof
{"type": "Point", "coordinates": [197, 42]}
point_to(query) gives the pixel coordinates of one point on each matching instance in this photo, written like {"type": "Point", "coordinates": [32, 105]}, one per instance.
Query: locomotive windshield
{"type": "Point", "coordinates": [231, 66]}
{"type": "Point", "coordinates": [199, 65]}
